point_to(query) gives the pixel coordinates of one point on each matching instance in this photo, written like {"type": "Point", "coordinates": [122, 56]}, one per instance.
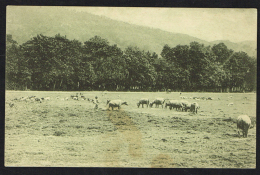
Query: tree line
{"type": "Point", "coordinates": [57, 63]}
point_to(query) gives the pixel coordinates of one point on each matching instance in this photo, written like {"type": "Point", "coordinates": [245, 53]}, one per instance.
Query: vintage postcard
{"type": "Point", "coordinates": [130, 87]}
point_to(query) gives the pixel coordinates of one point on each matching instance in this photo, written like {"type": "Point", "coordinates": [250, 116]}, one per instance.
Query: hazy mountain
{"type": "Point", "coordinates": [247, 46]}
{"type": "Point", "coordinates": [81, 26]}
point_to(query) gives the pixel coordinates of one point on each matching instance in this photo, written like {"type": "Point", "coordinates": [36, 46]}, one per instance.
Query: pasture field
{"type": "Point", "coordinates": [71, 133]}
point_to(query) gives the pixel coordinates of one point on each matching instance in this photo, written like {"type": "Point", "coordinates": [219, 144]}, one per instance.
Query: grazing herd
{"type": "Point", "coordinates": [243, 121]}
{"type": "Point", "coordinates": [182, 105]}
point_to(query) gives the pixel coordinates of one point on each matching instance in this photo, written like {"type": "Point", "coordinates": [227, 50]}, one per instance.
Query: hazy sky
{"type": "Point", "coordinates": [208, 24]}
{"type": "Point", "coordinates": [204, 23]}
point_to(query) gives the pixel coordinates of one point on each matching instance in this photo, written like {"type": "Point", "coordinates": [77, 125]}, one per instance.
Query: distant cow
{"type": "Point", "coordinates": [143, 101]}
{"type": "Point", "coordinates": [174, 104]}
{"type": "Point", "coordinates": [116, 103]}
{"type": "Point", "coordinates": [243, 123]}
{"type": "Point", "coordinates": [194, 107]}
{"type": "Point", "coordinates": [38, 99]}
{"type": "Point", "coordinates": [186, 105]}
{"type": "Point", "coordinates": [157, 102]}
{"type": "Point", "coordinates": [11, 104]}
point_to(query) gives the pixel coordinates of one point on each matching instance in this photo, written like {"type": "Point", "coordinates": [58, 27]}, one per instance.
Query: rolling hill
{"type": "Point", "coordinates": [23, 25]}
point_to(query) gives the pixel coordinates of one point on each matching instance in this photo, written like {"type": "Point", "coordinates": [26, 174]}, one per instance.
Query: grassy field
{"type": "Point", "coordinates": [72, 134]}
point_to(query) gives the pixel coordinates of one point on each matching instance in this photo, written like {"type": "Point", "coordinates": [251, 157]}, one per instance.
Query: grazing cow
{"type": "Point", "coordinates": [24, 98]}
{"type": "Point", "coordinates": [67, 98]}
{"type": "Point", "coordinates": [38, 99]}
{"type": "Point", "coordinates": [194, 107]}
{"type": "Point", "coordinates": [157, 102]}
{"type": "Point", "coordinates": [186, 105]}
{"type": "Point", "coordinates": [143, 101]}
{"type": "Point", "coordinates": [72, 96]}
{"type": "Point", "coordinates": [11, 105]}
{"type": "Point", "coordinates": [116, 103]}
{"type": "Point", "coordinates": [174, 104]}
{"type": "Point", "coordinates": [243, 123]}
{"type": "Point", "coordinates": [47, 98]}
{"type": "Point", "coordinates": [209, 98]}
{"type": "Point", "coordinates": [75, 98]}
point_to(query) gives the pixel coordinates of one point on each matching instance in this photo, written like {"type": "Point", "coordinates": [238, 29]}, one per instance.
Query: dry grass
{"type": "Point", "coordinates": [72, 133]}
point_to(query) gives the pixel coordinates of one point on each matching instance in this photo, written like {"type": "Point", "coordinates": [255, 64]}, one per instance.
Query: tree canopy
{"type": "Point", "coordinates": [57, 63]}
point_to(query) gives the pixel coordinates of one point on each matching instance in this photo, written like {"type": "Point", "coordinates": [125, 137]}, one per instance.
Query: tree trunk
{"type": "Point", "coordinates": [54, 85]}
{"type": "Point", "coordinates": [61, 82]}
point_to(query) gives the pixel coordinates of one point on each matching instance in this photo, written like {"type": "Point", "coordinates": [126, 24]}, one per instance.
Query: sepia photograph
{"type": "Point", "coordinates": [131, 87]}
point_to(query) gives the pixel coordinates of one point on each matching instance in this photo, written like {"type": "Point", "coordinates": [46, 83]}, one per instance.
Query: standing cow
{"type": "Point", "coordinates": [116, 103]}
{"type": "Point", "coordinates": [157, 102]}
{"type": "Point", "coordinates": [194, 107]}
{"type": "Point", "coordinates": [143, 101]}
{"type": "Point", "coordinates": [243, 123]}
{"type": "Point", "coordinates": [174, 104]}
{"type": "Point", "coordinates": [186, 105]}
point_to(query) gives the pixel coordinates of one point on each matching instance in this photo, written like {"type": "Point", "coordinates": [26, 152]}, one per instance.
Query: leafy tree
{"type": "Point", "coordinates": [221, 52]}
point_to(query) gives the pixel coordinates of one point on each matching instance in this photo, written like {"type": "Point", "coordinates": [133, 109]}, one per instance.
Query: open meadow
{"type": "Point", "coordinates": [71, 133]}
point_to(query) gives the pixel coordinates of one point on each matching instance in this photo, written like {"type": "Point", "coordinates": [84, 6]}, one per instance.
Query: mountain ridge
{"type": "Point", "coordinates": [82, 26]}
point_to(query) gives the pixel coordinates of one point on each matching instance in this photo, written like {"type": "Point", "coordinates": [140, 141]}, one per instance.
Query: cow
{"type": "Point", "coordinates": [243, 123]}
{"type": "Point", "coordinates": [116, 103]}
{"type": "Point", "coordinates": [47, 98]}
{"type": "Point", "coordinates": [75, 98]}
{"type": "Point", "coordinates": [11, 104]}
{"type": "Point", "coordinates": [24, 98]}
{"type": "Point", "coordinates": [157, 102]}
{"type": "Point", "coordinates": [186, 105]}
{"type": "Point", "coordinates": [38, 99]}
{"type": "Point", "coordinates": [194, 107]}
{"type": "Point", "coordinates": [174, 104]}
{"type": "Point", "coordinates": [143, 101]}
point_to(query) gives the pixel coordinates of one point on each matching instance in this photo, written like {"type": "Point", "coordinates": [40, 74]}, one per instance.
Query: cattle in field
{"type": "Point", "coordinates": [194, 107]}
{"type": "Point", "coordinates": [47, 98]}
{"type": "Point", "coordinates": [116, 103]}
{"type": "Point", "coordinates": [174, 104]}
{"type": "Point", "coordinates": [11, 105]}
{"type": "Point", "coordinates": [157, 102]}
{"type": "Point", "coordinates": [186, 105]}
{"type": "Point", "coordinates": [24, 98]}
{"type": "Point", "coordinates": [38, 99]}
{"type": "Point", "coordinates": [143, 101]}
{"type": "Point", "coordinates": [243, 123]}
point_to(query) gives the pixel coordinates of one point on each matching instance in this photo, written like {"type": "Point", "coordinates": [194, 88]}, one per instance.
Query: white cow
{"type": "Point", "coordinates": [116, 103]}
{"type": "Point", "coordinates": [243, 123]}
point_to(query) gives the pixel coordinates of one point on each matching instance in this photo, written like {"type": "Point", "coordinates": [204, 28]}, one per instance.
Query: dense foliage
{"type": "Point", "coordinates": [57, 63]}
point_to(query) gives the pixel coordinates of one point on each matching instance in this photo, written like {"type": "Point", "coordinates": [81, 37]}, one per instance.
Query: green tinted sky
{"type": "Point", "coordinates": [208, 24]}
